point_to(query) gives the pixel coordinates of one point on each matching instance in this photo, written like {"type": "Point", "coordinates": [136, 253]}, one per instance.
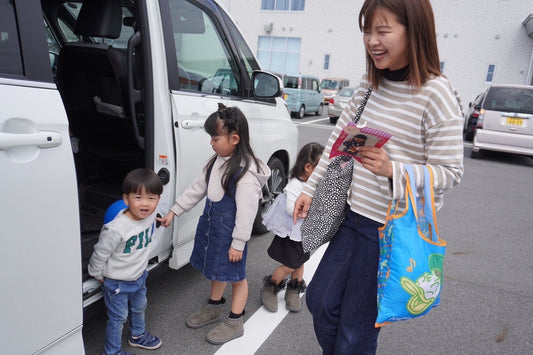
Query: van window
{"type": "Point", "coordinates": [10, 56]}
{"type": "Point", "coordinates": [290, 82]}
{"type": "Point", "coordinates": [204, 62]}
{"type": "Point", "coordinates": [74, 7]}
{"type": "Point", "coordinates": [508, 99]}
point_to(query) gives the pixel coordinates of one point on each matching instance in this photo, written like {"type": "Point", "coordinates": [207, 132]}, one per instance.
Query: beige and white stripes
{"type": "Point", "coordinates": [427, 129]}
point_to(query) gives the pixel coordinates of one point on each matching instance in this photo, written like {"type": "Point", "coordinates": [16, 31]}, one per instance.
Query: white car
{"type": "Point", "coordinates": [505, 122]}
{"type": "Point", "coordinates": [338, 102]}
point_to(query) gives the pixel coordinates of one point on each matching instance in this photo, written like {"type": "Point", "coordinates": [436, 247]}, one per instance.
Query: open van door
{"type": "Point", "coordinates": [40, 262]}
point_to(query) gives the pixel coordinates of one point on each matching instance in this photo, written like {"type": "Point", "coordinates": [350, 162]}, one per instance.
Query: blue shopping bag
{"type": "Point", "coordinates": [411, 255]}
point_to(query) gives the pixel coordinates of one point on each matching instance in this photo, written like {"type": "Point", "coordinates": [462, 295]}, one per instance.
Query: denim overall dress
{"type": "Point", "coordinates": [213, 240]}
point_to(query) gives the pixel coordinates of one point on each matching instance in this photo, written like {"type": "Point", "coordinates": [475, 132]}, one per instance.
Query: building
{"type": "Point", "coordinates": [480, 41]}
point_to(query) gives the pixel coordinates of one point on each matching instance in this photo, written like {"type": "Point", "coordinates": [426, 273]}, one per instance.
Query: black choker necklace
{"type": "Point", "coordinates": [397, 75]}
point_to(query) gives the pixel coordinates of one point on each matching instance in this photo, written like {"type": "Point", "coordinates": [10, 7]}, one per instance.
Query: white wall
{"type": "Point", "coordinates": [470, 35]}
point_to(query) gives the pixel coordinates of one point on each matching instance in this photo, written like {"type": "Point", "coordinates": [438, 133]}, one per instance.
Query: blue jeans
{"type": "Point", "coordinates": [342, 296]}
{"type": "Point", "coordinates": [121, 297]}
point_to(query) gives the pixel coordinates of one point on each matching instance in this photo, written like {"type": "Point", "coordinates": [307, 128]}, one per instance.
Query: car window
{"type": "Point", "coordinates": [290, 82]}
{"type": "Point", "coordinates": [204, 61]}
{"type": "Point", "coordinates": [315, 85]}
{"type": "Point", "coordinates": [506, 99]}
{"type": "Point", "coordinates": [346, 93]}
{"type": "Point", "coordinates": [73, 9]}
{"type": "Point", "coordinates": [10, 55]}
{"type": "Point", "coordinates": [329, 84]}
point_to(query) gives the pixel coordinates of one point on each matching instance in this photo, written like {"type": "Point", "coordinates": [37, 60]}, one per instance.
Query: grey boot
{"type": "Point", "coordinates": [209, 313]}
{"type": "Point", "coordinates": [230, 328]}
{"type": "Point", "coordinates": [269, 293]}
{"type": "Point", "coordinates": [292, 295]}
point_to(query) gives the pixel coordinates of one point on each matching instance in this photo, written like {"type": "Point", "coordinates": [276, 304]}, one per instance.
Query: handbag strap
{"type": "Point", "coordinates": [429, 200]}
{"type": "Point", "coordinates": [362, 105]}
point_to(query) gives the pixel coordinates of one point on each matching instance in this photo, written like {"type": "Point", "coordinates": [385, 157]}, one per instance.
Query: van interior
{"type": "Point", "coordinates": [98, 72]}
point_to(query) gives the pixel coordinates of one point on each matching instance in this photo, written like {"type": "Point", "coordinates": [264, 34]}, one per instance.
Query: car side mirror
{"type": "Point", "coordinates": [266, 85]}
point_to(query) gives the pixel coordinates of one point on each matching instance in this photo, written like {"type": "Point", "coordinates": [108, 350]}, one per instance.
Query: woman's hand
{"type": "Point", "coordinates": [234, 255]}
{"type": "Point", "coordinates": [165, 221]}
{"type": "Point", "coordinates": [376, 160]}
{"type": "Point", "coordinates": [301, 206]}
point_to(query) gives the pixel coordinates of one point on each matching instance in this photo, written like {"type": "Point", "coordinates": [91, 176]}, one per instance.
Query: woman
{"type": "Point", "coordinates": [418, 106]}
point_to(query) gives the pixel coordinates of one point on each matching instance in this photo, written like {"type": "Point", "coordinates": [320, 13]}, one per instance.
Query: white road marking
{"type": "Point", "coordinates": [262, 323]}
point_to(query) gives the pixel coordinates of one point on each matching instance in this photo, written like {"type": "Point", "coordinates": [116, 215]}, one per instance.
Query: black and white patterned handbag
{"type": "Point", "coordinates": [327, 208]}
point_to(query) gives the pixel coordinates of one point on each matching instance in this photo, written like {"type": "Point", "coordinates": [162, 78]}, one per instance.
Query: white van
{"type": "Point", "coordinates": [302, 94]}
{"type": "Point", "coordinates": [89, 92]}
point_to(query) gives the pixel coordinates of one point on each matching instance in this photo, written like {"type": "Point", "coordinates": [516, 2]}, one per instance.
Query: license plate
{"type": "Point", "coordinates": [513, 121]}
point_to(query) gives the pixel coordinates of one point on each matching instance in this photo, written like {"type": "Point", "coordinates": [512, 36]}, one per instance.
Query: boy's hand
{"type": "Point", "coordinates": [165, 221]}
{"type": "Point", "coordinates": [234, 255]}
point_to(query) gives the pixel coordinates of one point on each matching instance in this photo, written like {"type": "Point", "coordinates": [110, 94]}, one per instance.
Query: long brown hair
{"type": "Point", "coordinates": [419, 21]}
{"type": "Point", "coordinates": [233, 121]}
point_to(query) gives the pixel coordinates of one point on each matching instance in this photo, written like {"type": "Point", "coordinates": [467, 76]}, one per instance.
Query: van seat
{"type": "Point", "coordinates": [90, 78]}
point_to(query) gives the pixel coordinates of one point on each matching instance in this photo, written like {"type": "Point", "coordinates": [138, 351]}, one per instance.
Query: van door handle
{"type": "Point", "coordinates": [41, 139]}
{"type": "Point", "coordinates": [192, 124]}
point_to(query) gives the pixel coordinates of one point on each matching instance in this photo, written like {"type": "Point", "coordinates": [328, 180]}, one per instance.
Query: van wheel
{"type": "Point", "coordinates": [272, 189]}
{"type": "Point", "coordinates": [476, 155]}
{"type": "Point", "coordinates": [333, 120]}
{"type": "Point", "coordinates": [301, 112]}
{"type": "Point", "coordinates": [319, 111]}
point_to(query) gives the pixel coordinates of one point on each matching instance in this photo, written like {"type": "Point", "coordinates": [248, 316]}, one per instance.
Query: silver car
{"type": "Point", "coordinates": [338, 102]}
{"type": "Point", "coordinates": [505, 122]}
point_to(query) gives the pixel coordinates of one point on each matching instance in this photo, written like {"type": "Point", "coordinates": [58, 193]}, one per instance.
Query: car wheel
{"type": "Point", "coordinates": [333, 120]}
{"type": "Point", "coordinates": [468, 135]}
{"type": "Point", "coordinates": [320, 110]}
{"type": "Point", "coordinates": [301, 112]}
{"type": "Point", "coordinates": [476, 155]}
{"type": "Point", "coordinates": [272, 189]}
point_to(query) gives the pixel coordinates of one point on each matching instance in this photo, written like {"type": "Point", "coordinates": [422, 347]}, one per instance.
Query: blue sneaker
{"type": "Point", "coordinates": [124, 352]}
{"type": "Point", "coordinates": [145, 341]}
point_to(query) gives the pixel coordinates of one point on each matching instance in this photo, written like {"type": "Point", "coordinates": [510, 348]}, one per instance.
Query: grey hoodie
{"type": "Point", "coordinates": [247, 195]}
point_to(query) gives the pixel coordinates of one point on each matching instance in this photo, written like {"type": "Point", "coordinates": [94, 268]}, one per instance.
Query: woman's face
{"type": "Point", "coordinates": [386, 41]}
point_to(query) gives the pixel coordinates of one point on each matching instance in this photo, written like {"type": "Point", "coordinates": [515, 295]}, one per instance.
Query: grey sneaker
{"type": "Point", "coordinates": [292, 295]}
{"type": "Point", "coordinates": [209, 313]}
{"type": "Point", "coordinates": [230, 328]}
{"type": "Point", "coordinates": [269, 293]}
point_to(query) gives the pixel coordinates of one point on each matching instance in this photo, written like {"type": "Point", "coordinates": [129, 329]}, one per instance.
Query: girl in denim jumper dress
{"type": "Point", "coordinates": [232, 181]}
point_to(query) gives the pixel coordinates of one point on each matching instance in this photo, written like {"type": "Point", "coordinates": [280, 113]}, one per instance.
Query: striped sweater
{"type": "Point", "coordinates": [427, 130]}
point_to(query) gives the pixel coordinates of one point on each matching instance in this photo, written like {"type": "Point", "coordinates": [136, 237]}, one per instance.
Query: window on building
{"type": "Point", "coordinates": [326, 61]}
{"type": "Point", "coordinates": [279, 54]}
{"type": "Point", "coordinates": [442, 65]}
{"type": "Point", "coordinates": [283, 5]}
{"type": "Point", "coordinates": [490, 73]}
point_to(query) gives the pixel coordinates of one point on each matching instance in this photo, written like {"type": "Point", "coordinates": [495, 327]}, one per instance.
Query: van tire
{"type": "Point", "coordinates": [333, 120]}
{"type": "Point", "coordinates": [320, 110]}
{"type": "Point", "coordinates": [476, 155]}
{"type": "Point", "coordinates": [301, 112]}
{"type": "Point", "coordinates": [274, 187]}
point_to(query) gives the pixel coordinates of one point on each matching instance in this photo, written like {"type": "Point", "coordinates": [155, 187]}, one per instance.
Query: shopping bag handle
{"type": "Point", "coordinates": [429, 198]}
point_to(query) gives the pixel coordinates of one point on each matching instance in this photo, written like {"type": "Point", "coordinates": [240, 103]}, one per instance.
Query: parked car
{"type": "Point", "coordinates": [302, 94]}
{"type": "Point", "coordinates": [331, 86]}
{"type": "Point", "coordinates": [471, 117]}
{"type": "Point", "coordinates": [338, 102]}
{"type": "Point", "coordinates": [89, 91]}
{"type": "Point", "coordinates": [505, 122]}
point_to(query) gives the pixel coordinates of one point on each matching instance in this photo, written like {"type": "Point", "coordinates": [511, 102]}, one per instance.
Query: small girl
{"type": "Point", "coordinates": [232, 180]}
{"type": "Point", "coordinates": [286, 247]}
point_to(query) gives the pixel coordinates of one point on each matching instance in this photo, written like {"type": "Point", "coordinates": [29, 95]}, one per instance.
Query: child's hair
{"type": "Point", "coordinates": [233, 121]}
{"type": "Point", "coordinates": [418, 19]}
{"type": "Point", "coordinates": [310, 153]}
{"type": "Point", "coordinates": [139, 178]}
